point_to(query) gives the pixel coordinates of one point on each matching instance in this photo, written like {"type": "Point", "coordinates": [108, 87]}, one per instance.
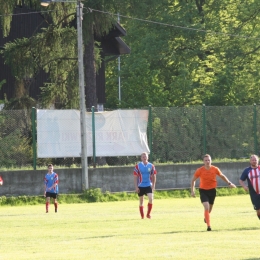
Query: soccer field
{"type": "Point", "coordinates": [114, 230]}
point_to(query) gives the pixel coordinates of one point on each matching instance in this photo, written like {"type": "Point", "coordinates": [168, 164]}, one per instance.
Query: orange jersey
{"type": "Point", "coordinates": [208, 178]}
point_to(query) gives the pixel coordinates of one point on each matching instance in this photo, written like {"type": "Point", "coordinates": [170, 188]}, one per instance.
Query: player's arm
{"type": "Point", "coordinates": [243, 184]}
{"type": "Point", "coordinates": [224, 178]}
{"type": "Point", "coordinates": [45, 187]}
{"type": "Point", "coordinates": [135, 183]}
{"type": "Point", "coordinates": [153, 181]}
{"type": "Point", "coordinates": [192, 186]}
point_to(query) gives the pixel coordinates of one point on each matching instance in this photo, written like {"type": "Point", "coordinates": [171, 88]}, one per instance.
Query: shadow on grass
{"type": "Point", "coordinates": [217, 230]}
{"type": "Point", "coordinates": [258, 258]}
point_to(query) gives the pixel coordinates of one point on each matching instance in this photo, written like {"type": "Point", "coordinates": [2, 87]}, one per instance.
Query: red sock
{"type": "Point", "coordinates": [207, 217]}
{"type": "Point", "coordinates": [47, 206]}
{"type": "Point", "coordinates": [149, 209]}
{"type": "Point", "coordinates": [141, 209]}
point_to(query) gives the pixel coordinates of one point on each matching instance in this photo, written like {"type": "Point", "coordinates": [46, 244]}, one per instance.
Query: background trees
{"type": "Point", "coordinates": [183, 53]}
{"type": "Point", "coordinates": [207, 53]}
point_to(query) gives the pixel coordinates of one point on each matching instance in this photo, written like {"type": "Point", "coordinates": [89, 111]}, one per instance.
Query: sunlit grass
{"type": "Point", "coordinates": [114, 230]}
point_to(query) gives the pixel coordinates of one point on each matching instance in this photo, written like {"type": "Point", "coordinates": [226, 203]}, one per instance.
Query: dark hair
{"type": "Point", "coordinates": [50, 165]}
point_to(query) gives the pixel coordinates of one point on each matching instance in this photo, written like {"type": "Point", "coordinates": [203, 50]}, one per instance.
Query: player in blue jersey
{"type": "Point", "coordinates": [252, 175]}
{"type": "Point", "coordinates": [144, 181]}
{"type": "Point", "coordinates": [51, 188]}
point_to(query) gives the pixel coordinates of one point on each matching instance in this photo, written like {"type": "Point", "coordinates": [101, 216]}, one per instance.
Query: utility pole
{"type": "Point", "coordinates": [83, 127]}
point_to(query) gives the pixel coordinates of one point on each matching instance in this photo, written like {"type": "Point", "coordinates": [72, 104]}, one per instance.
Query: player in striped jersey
{"type": "Point", "coordinates": [144, 181]}
{"type": "Point", "coordinates": [252, 175]}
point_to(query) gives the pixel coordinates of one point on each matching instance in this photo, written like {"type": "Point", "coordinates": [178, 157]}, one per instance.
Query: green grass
{"type": "Point", "coordinates": [114, 230]}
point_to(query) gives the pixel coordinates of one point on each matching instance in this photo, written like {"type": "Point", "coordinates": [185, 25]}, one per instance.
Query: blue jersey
{"type": "Point", "coordinates": [49, 180]}
{"type": "Point", "coordinates": [144, 172]}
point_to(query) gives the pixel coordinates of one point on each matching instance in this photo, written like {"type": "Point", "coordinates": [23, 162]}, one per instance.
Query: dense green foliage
{"type": "Point", "coordinates": [96, 195]}
{"type": "Point", "coordinates": [206, 52]}
{"type": "Point", "coordinates": [183, 53]}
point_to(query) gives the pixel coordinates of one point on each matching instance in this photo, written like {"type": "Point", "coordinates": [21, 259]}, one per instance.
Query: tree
{"type": "Point", "coordinates": [55, 51]}
{"type": "Point", "coordinates": [208, 53]}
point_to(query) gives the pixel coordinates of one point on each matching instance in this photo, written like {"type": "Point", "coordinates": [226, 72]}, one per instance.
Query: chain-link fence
{"type": "Point", "coordinates": [175, 135]}
{"type": "Point", "coordinates": [185, 134]}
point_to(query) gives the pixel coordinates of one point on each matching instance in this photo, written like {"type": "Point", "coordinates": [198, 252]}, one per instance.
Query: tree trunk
{"type": "Point", "coordinates": [90, 70]}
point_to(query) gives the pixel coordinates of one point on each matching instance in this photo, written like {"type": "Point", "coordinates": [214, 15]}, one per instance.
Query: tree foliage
{"type": "Point", "coordinates": [183, 53]}
{"type": "Point", "coordinates": [193, 52]}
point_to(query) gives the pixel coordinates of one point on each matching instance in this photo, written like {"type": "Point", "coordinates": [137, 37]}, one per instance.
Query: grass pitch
{"type": "Point", "coordinates": [114, 230]}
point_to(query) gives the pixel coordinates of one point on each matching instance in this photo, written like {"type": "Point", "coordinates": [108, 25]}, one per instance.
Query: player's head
{"type": "Point", "coordinates": [207, 159]}
{"type": "Point", "coordinates": [144, 157]}
{"type": "Point", "coordinates": [50, 168]}
{"type": "Point", "coordinates": [254, 160]}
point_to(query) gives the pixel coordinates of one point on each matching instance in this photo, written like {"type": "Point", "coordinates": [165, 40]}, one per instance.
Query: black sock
{"type": "Point", "coordinates": [258, 216]}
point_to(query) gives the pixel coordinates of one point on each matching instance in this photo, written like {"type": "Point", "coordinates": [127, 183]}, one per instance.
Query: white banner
{"type": "Point", "coordinates": [117, 133]}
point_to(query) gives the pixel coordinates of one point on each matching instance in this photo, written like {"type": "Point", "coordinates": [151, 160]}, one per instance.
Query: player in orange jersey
{"type": "Point", "coordinates": [207, 187]}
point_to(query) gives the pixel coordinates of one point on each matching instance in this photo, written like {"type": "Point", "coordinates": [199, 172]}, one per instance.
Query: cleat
{"type": "Point", "coordinates": [209, 229]}
{"type": "Point", "coordinates": [56, 210]}
{"type": "Point", "coordinates": [148, 216]}
{"type": "Point", "coordinates": [46, 211]}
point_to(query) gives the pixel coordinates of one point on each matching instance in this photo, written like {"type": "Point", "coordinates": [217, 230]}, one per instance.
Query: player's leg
{"type": "Point", "coordinates": [204, 198]}
{"type": "Point", "coordinates": [47, 203]}
{"type": "Point", "coordinates": [256, 202]}
{"type": "Point", "coordinates": [211, 194]}
{"type": "Point", "coordinates": [56, 205]}
{"type": "Point", "coordinates": [210, 207]}
{"type": "Point", "coordinates": [206, 206]}
{"type": "Point", "coordinates": [141, 204]}
{"type": "Point", "coordinates": [150, 203]}
{"type": "Point", "coordinates": [55, 199]}
{"type": "Point", "coordinates": [258, 213]}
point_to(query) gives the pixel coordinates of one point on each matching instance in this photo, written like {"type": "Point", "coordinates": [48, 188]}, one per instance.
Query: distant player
{"type": "Point", "coordinates": [1, 181]}
{"type": "Point", "coordinates": [51, 188]}
{"type": "Point", "coordinates": [252, 175]}
{"type": "Point", "coordinates": [144, 181]}
{"type": "Point", "coordinates": [208, 184]}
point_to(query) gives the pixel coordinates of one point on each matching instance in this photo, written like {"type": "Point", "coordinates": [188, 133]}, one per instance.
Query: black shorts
{"type": "Point", "coordinates": [144, 191]}
{"type": "Point", "coordinates": [51, 195]}
{"type": "Point", "coordinates": [255, 198]}
{"type": "Point", "coordinates": [208, 195]}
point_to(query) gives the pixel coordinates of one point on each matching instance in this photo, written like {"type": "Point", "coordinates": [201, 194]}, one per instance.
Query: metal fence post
{"type": "Point", "coordinates": [93, 136]}
{"type": "Point", "coordinates": [204, 129]}
{"type": "Point", "coordinates": [150, 133]}
{"type": "Point", "coordinates": [34, 136]}
{"type": "Point", "coordinates": [255, 131]}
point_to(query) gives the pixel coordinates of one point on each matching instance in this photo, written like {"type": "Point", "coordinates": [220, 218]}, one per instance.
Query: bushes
{"type": "Point", "coordinates": [96, 195]}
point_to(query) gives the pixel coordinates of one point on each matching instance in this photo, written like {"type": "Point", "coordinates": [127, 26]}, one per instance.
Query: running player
{"type": "Point", "coordinates": [207, 187]}
{"type": "Point", "coordinates": [252, 175]}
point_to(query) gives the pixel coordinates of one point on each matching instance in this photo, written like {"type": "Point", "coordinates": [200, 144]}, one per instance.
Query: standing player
{"type": "Point", "coordinates": [51, 188]}
{"type": "Point", "coordinates": [1, 181]}
{"type": "Point", "coordinates": [208, 184]}
{"type": "Point", "coordinates": [144, 181]}
{"type": "Point", "coordinates": [252, 175]}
